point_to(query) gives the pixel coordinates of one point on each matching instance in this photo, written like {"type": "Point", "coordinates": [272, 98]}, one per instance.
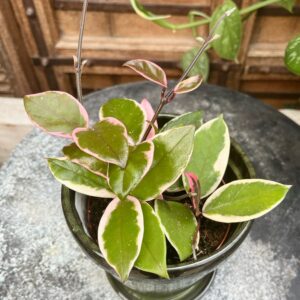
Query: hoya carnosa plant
{"type": "Point", "coordinates": [126, 158]}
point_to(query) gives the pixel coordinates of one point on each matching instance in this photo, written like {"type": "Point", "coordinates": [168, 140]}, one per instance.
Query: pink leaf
{"type": "Point", "coordinates": [148, 70]}
{"type": "Point", "coordinates": [188, 85]}
{"type": "Point", "coordinates": [195, 190]}
{"type": "Point", "coordinates": [146, 105]}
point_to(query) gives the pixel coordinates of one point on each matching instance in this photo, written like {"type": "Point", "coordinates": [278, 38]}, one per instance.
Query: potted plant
{"type": "Point", "coordinates": [158, 201]}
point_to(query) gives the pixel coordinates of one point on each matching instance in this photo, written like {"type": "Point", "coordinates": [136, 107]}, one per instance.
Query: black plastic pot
{"type": "Point", "coordinates": [188, 280]}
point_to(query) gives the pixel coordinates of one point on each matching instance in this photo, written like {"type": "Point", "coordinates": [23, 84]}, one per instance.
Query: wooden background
{"type": "Point", "coordinates": [39, 37]}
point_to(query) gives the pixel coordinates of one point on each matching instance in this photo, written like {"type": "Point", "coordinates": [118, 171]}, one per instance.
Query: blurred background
{"type": "Point", "coordinates": [39, 37]}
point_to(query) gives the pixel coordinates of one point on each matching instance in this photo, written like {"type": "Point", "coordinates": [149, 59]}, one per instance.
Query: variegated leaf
{"type": "Point", "coordinates": [123, 180]}
{"type": "Point", "coordinates": [106, 141]}
{"type": "Point", "coordinates": [153, 254]}
{"type": "Point", "coordinates": [148, 70]}
{"type": "Point", "coordinates": [172, 150]}
{"type": "Point", "coordinates": [244, 200]}
{"type": "Point", "coordinates": [179, 225]}
{"type": "Point", "coordinates": [78, 178]}
{"type": "Point", "coordinates": [120, 234]}
{"type": "Point", "coordinates": [230, 30]}
{"type": "Point", "coordinates": [128, 112]}
{"type": "Point", "coordinates": [191, 118]}
{"type": "Point", "coordinates": [91, 163]}
{"type": "Point", "coordinates": [188, 84]}
{"type": "Point", "coordinates": [57, 113]}
{"type": "Point", "coordinates": [210, 155]}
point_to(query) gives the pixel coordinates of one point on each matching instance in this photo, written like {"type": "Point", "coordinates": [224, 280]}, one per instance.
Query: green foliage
{"type": "Point", "coordinates": [172, 149]}
{"type": "Point", "coordinates": [129, 112]}
{"type": "Point", "coordinates": [179, 225]}
{"type": "Point", "coordinates": [191, 118]}
{"type": "Point", "coordinates": [292, 56]}
{"type": "Point", "coordinates": [210, 155]}
{"type": "Point", "coordinates": [230, 31]}
{"type": "Point", "coordinates": [91, 163]}
{"type": "Point", "coordinates": [123, 180]}
{"type": "Point", "coordinates": [201, 67]}
{"type": "Point", "coordinates": [287, 4]}
{"type": "Point", "coordinates": [106, 141]}
{"type": "Point", "coordinates": [120, 234]}
{"type": "Point", "coordinates": [57, 113]}
{"type": "Point", "coordinates": [244, 200]}
{"type": "Point", "coordinates": [153, 254]}
{"type": "Point", "coordinates": [112, 160]}
{"type": "Point", "coordinates": [78, 178]}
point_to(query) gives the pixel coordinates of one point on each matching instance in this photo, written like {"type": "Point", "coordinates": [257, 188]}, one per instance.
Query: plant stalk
{"type": "Point", "coordinates": [77, 60]}
{"type": "Point", "coordinates": [256, 6]}
{"type": "Point", "coordinates": [165, 99]}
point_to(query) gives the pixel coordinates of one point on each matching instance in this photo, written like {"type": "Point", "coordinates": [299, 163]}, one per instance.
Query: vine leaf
{"type": "Point", "coordinates": [210, 155]}
{"type": "Point", "coordinates": [91, 163]}
{"type": "Point", "coordinates": [172, 150]}
{"type": "Point", "coordinates": [146, 105]}
{"type": "Point", "coordinates": [148, 70]}
{"type": "Point", "coordinates": [229, 30]}
{"type": "Point", "coordinates": [106, 141]}
{"type": "Point", "coordinates": [153, 254]}
{"type": "Point", "coordinates": [244, 200]}
{"type": "Point", "coordinates": [123, 180]}
{"type": "Point", "coordinates": [120, 234]}
{"type": "Point", "coordinates": [188, 85]}
{"type": "Point", "coordinates": [287, 4]}
{"type": "Point", "coordinates": [78, 178]}
{"type": "Point", "coordinates": [201, 67]}
{"type": "Point", "coordinates": [57, 113]}
{"type": "Point", "coordinates": [179, 225]}
{"type": "Point", "coordinates": [128, 112]}
{"type": "Point", "coordinates": [292, 56]}
{"type": "Point", "coordinates": [194, 118]}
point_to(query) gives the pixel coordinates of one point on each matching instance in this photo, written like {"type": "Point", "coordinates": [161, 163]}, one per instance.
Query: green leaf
{"type": "Point", "coordinates": [292, 56]}
{"type": "Point", "coordinates": [123, 180]}
{"type": "Point", "coordinates": [200, 68]}
{"type": "Point", "coordinates": [74, 154]}
{"type": "Point", "coordinates": [287, 4]}
{"type": "Point", "coordinates": [179, 225]}
{"type": "Point", "coordinates": [230, 31]}
{"type": "Point", "coordinates": [148, 70]}
{"type": "Point", "coordinates": [57, 113]}
{"type": "Point", "coordinates": [106, 141]}
{"type": "Point", "coordinates": [129, 112]}
{"type": "Point", "coordinates": [244, 200]}
{"type": "Point", "coordinates": [142, 12]}
{"type": "Point", "coordinates": [120, 234]}
{"type": "Point", "coordinates": [191, 118]}
{"type": "Point", "coordinates": [78, 178]}
{"type": "Point", "coordinates": [210, 155]}
{"type": "Point", "coordinates": [153, 255]}
{"type": "Point", "coordinates": [172, 150]}
{"type": "Point", "coordinates": [188, 85]}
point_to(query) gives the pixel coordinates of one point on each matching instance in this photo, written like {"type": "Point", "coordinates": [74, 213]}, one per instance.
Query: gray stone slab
{"type": "Point", "coordinates": [40, 260]}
